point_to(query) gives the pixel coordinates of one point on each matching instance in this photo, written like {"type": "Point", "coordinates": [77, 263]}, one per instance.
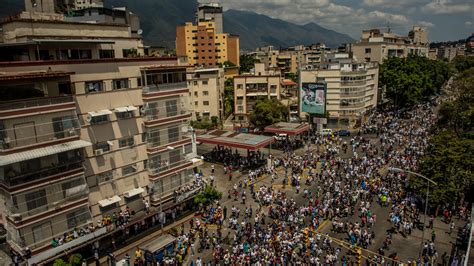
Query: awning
{"type": "Point", "coordinates": [106, 202]}
{"type": "Point", "coordinates": [42, 152]}
{"type": "Point", "coordinates": [133, 192]}
{"type": "Point", "coordinates": [125, 109]}
{"type": "Point", "coordinates": [100, 113]}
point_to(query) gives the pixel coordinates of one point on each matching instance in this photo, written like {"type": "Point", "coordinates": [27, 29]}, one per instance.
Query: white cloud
{"type": "Point", "coordinates": [446, 7]}
{"type": "Point", "coordinates": [426, 24]}
{"type": "Point", "coordinates": [398, 4]}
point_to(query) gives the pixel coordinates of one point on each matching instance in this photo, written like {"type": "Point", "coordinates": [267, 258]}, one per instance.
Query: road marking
{"type": "Point", "coordinates": [322, 225]}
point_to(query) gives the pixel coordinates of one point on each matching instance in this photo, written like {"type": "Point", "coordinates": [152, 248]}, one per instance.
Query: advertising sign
{"type": "Point", "coordinates": [313, 98]}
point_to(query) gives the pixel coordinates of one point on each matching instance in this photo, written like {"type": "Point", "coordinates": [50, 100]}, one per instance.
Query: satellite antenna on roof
{"type": "Point", "coordinates": [139, 31]}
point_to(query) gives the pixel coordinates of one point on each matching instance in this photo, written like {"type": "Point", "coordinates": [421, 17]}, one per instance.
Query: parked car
{"type": "Point", "coordinates": [343, 132]}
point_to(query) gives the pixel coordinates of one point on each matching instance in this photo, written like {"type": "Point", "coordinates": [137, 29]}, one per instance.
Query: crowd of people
{"type": "Point", "coordinates": [345, 182]}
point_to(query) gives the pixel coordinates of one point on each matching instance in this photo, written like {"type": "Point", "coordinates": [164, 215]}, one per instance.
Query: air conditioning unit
{"type": "Point", "coordinates": [98, 152]}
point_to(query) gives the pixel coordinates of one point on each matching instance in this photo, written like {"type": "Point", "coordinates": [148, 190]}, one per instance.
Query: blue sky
{"type": "Point", "coordinates": [444, 19]}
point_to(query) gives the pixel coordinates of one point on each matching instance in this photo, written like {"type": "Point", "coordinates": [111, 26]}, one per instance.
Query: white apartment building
{"type": "Point", "coordinates": [206, 92]}
{"type": "Point", "coordinates": [88, 127]}
{"type": "Point", "coordinates": [352, 88]}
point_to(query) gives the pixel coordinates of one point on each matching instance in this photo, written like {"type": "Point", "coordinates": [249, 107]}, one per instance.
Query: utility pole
{"type": "Point", "coordinates": [471, 231]}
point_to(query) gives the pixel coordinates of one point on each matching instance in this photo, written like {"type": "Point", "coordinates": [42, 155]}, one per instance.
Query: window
{"type": "Point", "coordinates": [172, 108]}
{"type": "Point", "coordinates": [240, 86]}
{"type": "Point", "coordinates": [126, 142]}
{"type": "Point", "coordinates": [36, 199]}
{"type": "Point", "coordinates": [94, 86]}
{"type": "Point", "coordinates": [196, 94]}
{"type": "Point", "coordinates": [119, 84]}
{"type": "Point", "coordinates": [205, 93]}
{"type": "Point", "coordinates": [175, 157]}
{"type": "Point", "coordinates": [104, 177]}
{"type": "Point", "coordinates": [99, 119]}
{"type": "Point", "coordinates": [173, 134]}
{"type": "Point", "coordinates": [368, 50]}
{"type": "Point", "coordinates": [77, 218]}
{"type": "Point", "coordinates": [76, 188]}
{"type": "Point", "coordinates": [129, 169]}
{"type": "Point", "coordinates": [205, 103]}
{"type": "Point", "coordinates": [64, 126]}
{"type": "Point", "coordinates": [106, 53]}
{"type": "Point", "coordinates": [241, 118]}
{"type": "Point", "coordinates": [124, 115]}
{"type": "Point", "coordinates": [104, 146]}
{"type": "Point", "coordinates": [188, 149]}
{"type": "Point", "coordinates": [205, 82]}
{"type": "Point", "coordinates": [154, 138]}
{"type": "Point", "coordinates": [240, 108]}
{"type": "Point", "coordinates": [196, 103]}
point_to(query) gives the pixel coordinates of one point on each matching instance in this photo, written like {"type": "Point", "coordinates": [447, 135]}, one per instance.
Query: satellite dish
{"type": "Point", "coordinates": [88, 118]}
{"type": "Point", "coordinates": [139, 31]}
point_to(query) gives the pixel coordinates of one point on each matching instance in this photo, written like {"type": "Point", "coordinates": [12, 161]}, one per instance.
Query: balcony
{"type": "Point", "coordinates": [162, 112]}
{"type": "Point", "coordinates": [30, 133]}
{"type": "Point", "coordinates": [353, 82]}
{"type": "Point", "coordinates": [48, 198]}
{"type": "Point", "coordinates": [173, 134]}
{"type": "Point", "coordinates": [33, 103]}
{"type": "Point", "coordinates": [163, 168]}
{"type": "Point", "coordinates": [153, 88]}
{"type": "Point", "coordinates": [13, 179]}
{"type": "Point", "coordinates": [352, 106]}
{"type": "Point", "coordinates": [353, 94]}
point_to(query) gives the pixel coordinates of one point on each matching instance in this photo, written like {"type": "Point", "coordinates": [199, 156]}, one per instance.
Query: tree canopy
{"type": "Point", "coordinates": [410, 80]}
{"type": "Point", "coordinates": [247, 62]}
{"type": "Point", "coordinates": [208, 196]}
{"type": "Point", "coordinates": [449, 159]}
{"type": "Point", "coordinates": [267, 112]}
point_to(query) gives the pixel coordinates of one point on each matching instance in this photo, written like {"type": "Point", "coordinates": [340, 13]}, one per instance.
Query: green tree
{"type": "Point", "coordinates": [410, 80]}
{"type": "Point", "coordinates": [247, 62]}
{"type": "Point", "coordinates": [208, 196]}
{"type": "Point", "coordinates": [292, 76]}
{"type": "Point", "coordinates": [75, 259]}
{"type": "Point", "coordinates": [228, 97]}
{"type": "Point", "coordinates": [267, 112]}
{"type": "Point", "coordinates": [60, 262]}
{"type": "Point", "coordinates": [449, 159]}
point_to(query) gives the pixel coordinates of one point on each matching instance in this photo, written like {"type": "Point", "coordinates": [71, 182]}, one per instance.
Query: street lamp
{"type": "Point", "coordinates": [398, 170]}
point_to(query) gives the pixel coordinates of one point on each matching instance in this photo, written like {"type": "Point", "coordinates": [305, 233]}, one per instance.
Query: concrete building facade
{"type": "Point", "coordinates": [206, 92]}
{"type": "Point", "coordinates": [352, 88]}
{"type": "Point", "coordinates": [375, 46]}
{"type": "Point", "coordinates": [203, 46]}
{"type": "Point", "coordinates": [86, 130]}
{"type": "Point", "coordinates": [211, 12]}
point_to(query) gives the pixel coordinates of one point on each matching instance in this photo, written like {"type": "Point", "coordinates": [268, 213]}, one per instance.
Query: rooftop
{"type": "Point", "coordinates": [234, 139]}
{"type": "Point", "coordinates": [287, 128]}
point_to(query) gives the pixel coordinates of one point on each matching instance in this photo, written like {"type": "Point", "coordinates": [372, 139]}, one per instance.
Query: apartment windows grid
{"type": "Point", "coordinates": [126, 142]}
{"type": "Point", "coordinates": [94, 86]}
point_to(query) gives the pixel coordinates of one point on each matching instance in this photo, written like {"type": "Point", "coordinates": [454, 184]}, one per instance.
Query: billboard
{"type": "Point", "coordinates": [313, 98]}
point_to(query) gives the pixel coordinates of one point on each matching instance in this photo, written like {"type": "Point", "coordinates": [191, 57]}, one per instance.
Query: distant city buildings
{"type": "Point", "coordinates": [204, 43]}
{"type": "Point", "coordinates": [375, 45]}
{"type": "Point", "coordinates": [289, 60]}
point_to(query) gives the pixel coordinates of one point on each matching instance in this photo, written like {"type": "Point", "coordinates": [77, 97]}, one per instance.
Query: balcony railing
{"type": "Point", "coordinates": [164, 166]}
{"type": "Point", "coordinates": [55, 197]}
{"type": "Point", "coordinates": [32, 134]}
{"type": "Point", "coordinates": [164, 87]}
{"type": "Point", "coordinates": [158, 142]}
{"type": "Point", "coordinates": [353, 94]}
{"type": "Point", "coordinates": [353, 82]}
{"type": "Point", "coordinates": [35, 103]}
{"type": "Point", "coordinates": [348, 106]}
{"type": "Point", "coordinates": [150, 116]}
{"type": "Point", "coordinates": [24, 178]}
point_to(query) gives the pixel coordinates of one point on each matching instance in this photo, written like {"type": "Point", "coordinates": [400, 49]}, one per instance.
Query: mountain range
{"type": "Point", "coordinates": [159, 19]}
